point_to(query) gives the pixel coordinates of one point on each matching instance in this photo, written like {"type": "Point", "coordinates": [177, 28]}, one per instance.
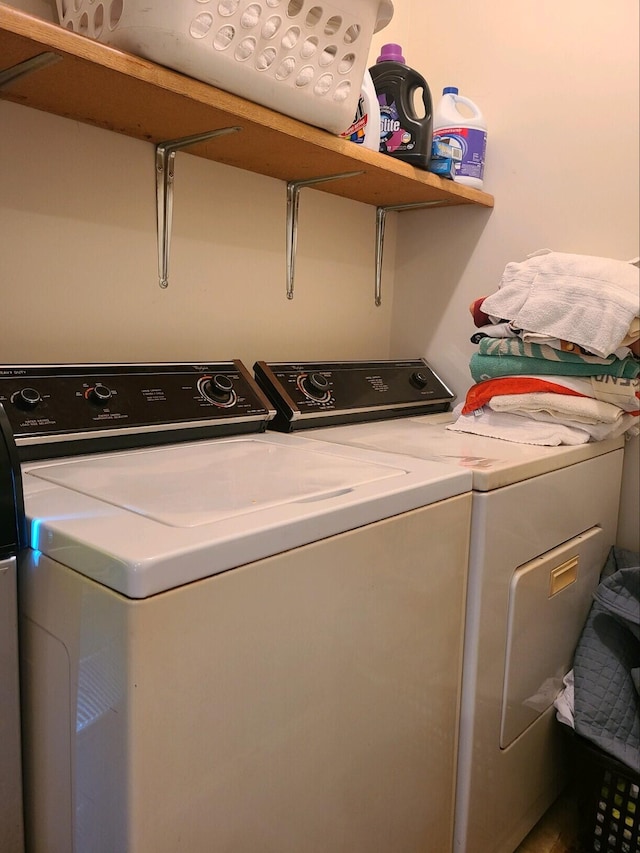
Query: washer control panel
{"type": "Point", "coordinates": [311, 394]}
{"type": "Point", "coordinates": [127, 405]}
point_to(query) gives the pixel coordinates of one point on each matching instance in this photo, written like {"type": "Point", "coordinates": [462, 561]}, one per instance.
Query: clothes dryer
{"type": "Point", "coordinates": [232, 640]}
{"type": "Point", "coordinates": [543, 521]}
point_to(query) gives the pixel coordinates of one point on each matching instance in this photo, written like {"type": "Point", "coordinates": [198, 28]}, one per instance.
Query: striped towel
{"type": "Point", "coordinates": [516, 346]}
{"type": "Point", "coordinates": [491, 366]}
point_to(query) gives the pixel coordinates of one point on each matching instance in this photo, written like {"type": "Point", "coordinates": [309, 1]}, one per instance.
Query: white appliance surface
{"type": "Point", "coordinates": [11, 827]}
{"type": "Point", "coordinates": [148, 520]}
{"type": "Point", "coordinates": [493, 462]}
{"type": "Point", "coordinates": [538, 514]}
{"type": "Point", "coordinates": [304, 702]}
{"type": "Point", "coordinates": [239, 644]}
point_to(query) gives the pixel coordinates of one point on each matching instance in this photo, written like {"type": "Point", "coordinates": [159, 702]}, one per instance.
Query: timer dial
{"type": "Point", "coordinates": [315, 386]}
{"type": "Point", "coordinates": [99, 394]}
{"type": "Point", "coordinates": [217, 389]}
{"type": "Point", "coordinates": [26, 398]}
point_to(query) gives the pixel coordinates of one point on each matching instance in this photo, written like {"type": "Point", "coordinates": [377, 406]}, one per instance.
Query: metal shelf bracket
{"type": "Point", "coordinates": [42, 60]}
{"type": "Point", "coordinates": [165, 168]}
{"type": "Point", "coordinates": [293, 195]}
{"type": "Point", "coordinates": [381, 217]}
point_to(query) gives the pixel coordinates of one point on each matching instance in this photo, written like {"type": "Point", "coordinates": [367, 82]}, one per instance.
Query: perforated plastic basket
{"type": "Point", "coordinates": [304, 58]}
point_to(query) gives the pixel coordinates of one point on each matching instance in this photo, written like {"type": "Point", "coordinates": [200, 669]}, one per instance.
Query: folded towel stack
{"type": "Point", "coordinates": [558, 352]}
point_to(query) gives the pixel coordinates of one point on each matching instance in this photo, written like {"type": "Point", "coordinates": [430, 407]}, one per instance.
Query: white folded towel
{"type": "Point", "coordinates": [539, 428]}
{"type": "Point", "coordinates": [624, 393]}
{"type": "Point", "coordinates": [544, 340]}
{"type": "Point", "coordinates": [583, 410]}
{"type": "Point", "coordinates": [499, 330]}
{"type": "Point", "coordinates": [584, 299]}
{"type": "Point", "coordinates": [621, 392]}
{"type": "Point", "coordinates": [626, 424]}
{"type": "Point", "coordinates": [519, 429]}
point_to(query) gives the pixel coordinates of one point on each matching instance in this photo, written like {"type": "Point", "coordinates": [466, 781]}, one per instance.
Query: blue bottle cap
{"type": "Point", "coordinates": [450, 90]}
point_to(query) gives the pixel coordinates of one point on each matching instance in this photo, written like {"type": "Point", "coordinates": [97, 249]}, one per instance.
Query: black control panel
{"type": "Point", "coordinates": [58, 410]}
{"type": "Point", "coordinates": [12, 534]}
{"type": "Point", "coordinates": [314, 394]}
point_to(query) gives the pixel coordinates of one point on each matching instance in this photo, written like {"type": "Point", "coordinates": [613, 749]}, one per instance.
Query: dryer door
{"type": "Point", "coordinates": [549, 599]}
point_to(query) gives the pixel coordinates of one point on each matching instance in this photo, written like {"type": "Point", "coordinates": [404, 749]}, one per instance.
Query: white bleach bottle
{"type": "Point", "coordinates": [465, 129]}
{"type": "Point", "coordinates": [365, 129]}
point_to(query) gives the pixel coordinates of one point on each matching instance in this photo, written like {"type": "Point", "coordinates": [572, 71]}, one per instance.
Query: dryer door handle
{"type": "Point", "coordinates": [563, 576]}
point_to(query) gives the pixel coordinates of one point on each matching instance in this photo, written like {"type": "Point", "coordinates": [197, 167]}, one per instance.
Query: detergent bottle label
{"type": "Point", "coordinates": [472, 143]}
{"type": "Point", "coordinates": [393, 136]}
{"type": "Point", "coordinates": [357, 130]}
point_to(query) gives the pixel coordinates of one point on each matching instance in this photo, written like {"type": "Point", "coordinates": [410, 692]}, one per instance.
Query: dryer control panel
{"type": "Point", "coordinates": [312, 394]}
{"type": "Point", "coordinates": [58, 410]}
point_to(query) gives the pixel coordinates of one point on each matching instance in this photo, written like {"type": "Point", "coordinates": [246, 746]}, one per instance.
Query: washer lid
{"type": "Point", "coordinates": [183, 486]}
{"type": "Point", "coordinates": [142, 521]}
{"type": "Point", "coordinates": [494, 463]}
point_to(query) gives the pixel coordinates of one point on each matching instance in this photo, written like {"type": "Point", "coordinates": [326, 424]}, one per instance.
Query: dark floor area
{"type": "Point", "coordinates": [557, 832]}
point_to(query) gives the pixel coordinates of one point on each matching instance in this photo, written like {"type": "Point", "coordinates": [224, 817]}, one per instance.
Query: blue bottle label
{"type": "Point", "coordinates": [472, 142]}
{"type": "Point", "coordinates": [393, 136]}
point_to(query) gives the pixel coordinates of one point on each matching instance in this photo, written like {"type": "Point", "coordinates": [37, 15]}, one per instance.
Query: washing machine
{"type": "Point", "coordinates": [232, 641]}
{"type": "Point", "coordinates": [543, 521]}
{"type": "Point", "coordinates": [11, 824]}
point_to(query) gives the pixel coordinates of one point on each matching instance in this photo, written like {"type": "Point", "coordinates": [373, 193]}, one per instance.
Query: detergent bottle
{"type": "Point", "coordinates": [464, 129]}
{"type": "Point", "coordinates": [404, 133]}
{"type": "Point", "coordinates": [365, 129]}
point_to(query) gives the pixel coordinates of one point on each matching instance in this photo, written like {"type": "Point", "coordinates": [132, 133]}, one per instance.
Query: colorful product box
{"type": "Point", "coordinates": [443, 166]}
{"type": "Point", "coordinates": [444, 151]}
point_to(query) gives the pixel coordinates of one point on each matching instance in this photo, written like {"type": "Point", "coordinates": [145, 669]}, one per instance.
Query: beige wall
{"type": "Point", "coordinates": [558, 83]}
{"type": "Point", "coordinates": [78, 257]}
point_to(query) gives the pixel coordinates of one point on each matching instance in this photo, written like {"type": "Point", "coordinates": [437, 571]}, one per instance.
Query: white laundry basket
{"type": "Point", "coordinates": [304, 58]}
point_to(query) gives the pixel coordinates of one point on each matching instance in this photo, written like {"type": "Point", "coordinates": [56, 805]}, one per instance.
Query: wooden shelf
{"type": "Point", "coordinates": [117, 91]}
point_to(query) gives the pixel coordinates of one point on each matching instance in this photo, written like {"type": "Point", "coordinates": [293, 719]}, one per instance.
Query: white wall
{"type": "Point", "coordinates": [558, 85]}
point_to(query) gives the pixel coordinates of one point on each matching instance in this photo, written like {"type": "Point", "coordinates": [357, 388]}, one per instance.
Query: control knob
{"type": "Point", "coordinates": [26, 398]}
{"type": "Point", "coordinates": [316, 386]}
{"type": "Point", "coordinates": [419, 380]}
{"type": "Point", "coordinates": [99, 394]}
{"type": "Point", "coordinates": [217, 389]}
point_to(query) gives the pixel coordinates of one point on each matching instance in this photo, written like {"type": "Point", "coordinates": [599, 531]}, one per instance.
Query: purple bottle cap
{"type": "Point", "coordinates": [391, 53]}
